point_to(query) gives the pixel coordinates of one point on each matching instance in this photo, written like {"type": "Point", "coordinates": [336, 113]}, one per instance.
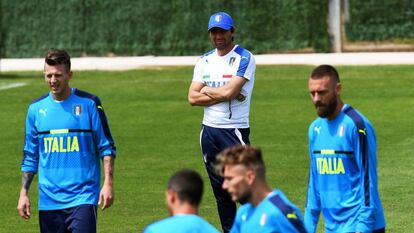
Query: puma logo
{"type": "Point", "coordinates": [43, 111]}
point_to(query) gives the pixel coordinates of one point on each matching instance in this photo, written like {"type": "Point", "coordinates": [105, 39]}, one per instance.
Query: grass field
{"type": "Point", "coordinates": [157, 133]}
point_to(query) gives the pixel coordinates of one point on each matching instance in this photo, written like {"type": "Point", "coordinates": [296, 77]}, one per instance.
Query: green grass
{"type": "Point", "coordinates": [157, 133]}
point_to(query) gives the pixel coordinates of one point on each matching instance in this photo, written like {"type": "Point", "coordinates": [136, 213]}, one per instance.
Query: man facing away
{"type": "Point", "coordinates": [343, 181]}
{"type": "Point", "coordinates": [223, 83]}
{"type": "Point", "coordinates": [264, 210]}
{"type": "Point", "coordinates": [67, 134]}
{"type": "Point", "coordinates": [183, 197]}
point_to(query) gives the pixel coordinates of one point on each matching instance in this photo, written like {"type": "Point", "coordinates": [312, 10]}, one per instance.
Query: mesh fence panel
{"type": "Point", "coordinates": [179, 27]}
{"type": "Point", "coordinates": [378, 20]}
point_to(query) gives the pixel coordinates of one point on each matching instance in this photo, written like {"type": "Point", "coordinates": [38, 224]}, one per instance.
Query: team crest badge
{"type": "Point", "coordinates": [231, 61]}
{"type": "Point", "coordinates": [77, 110]}
{"type": "Point", "coordinates": [263, 219]}
{"type": "Point", "coordinates": [341, 131]}
{"type": "Point", "coordinates": [218, 18]}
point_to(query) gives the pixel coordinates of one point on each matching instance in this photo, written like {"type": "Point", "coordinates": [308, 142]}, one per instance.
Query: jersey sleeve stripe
{"type": "Point", "coordinates": [288, 212]}
{"type": "Point", "coordinates": [208, 53]}
{"type": "Point", "coordinates": [244, 61]}
{"type": "Point", "coordinates": [40, 98]}
{"type": "Point", "coordinates": [359, 121]}
{"type": "Point", "coordinates": [101, 113]}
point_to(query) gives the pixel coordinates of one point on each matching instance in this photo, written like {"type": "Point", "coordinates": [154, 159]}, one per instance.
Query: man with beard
{"type": "Point", "coordinates": [222, 83]}
{"type": "Point", "coordinates": [343, 181]}
{"type": "Point", "coordinates": [263, 209]}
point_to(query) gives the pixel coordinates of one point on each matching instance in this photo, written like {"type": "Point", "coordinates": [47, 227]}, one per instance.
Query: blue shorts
{"type": "Point", "coordinates": [213, 141]}
{"type": "Point", "coordinates": [78, 219]}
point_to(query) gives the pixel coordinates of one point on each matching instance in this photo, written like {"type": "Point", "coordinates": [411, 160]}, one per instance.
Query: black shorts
{"type": "Point", "coordinates": [78, 219]}
{"type": "Point", "coordinates": [214, 140]}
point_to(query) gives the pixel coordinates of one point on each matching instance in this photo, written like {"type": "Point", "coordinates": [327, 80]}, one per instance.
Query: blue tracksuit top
{"type": "Point", "coordinates": [181, 223]}
{"type": "Point", "coordinates": [343, 174]}
{"type": "Point", "coordinates": [64, 143]}
{"type": "Point", "coordinates": [275, 214]}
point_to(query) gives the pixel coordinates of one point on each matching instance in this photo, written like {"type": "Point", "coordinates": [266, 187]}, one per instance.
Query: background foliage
{"type": "Point", "coordinates": [158, 27]}
{"type": "Point", "coordinates": [179, 27]}
{"type": "Point", "coordinates": [373, 20]}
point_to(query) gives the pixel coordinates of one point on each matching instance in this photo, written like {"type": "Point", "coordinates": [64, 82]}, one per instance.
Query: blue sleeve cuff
{"type": "Point", "coordinates": [108, 153]}
{"type": "Point", "coordinates": [29, 169]}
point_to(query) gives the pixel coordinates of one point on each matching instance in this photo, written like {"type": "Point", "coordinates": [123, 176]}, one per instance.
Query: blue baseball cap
{"type": "Point", "coordinates": [220, 20]}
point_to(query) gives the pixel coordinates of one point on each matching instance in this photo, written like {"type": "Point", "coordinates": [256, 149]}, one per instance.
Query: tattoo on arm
{"type": "Point", "coordinates": [27, 179]}
{"type": "Point", "coordinates": [109, 163]}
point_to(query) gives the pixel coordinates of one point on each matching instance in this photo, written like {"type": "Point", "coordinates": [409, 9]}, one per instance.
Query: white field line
{"type": "Point", "coordinates": [11, 85]}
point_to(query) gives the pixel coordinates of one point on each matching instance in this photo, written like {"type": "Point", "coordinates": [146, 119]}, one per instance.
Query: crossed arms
{"type": "Point", "coordinates": [201, 95]}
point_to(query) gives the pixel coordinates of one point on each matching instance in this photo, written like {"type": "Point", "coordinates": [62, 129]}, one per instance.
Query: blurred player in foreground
{"type": "Point", "coordinates": [67, 134]}
{"type": "Point", "coordinates": [183, 196]}
{"type": "Point", "coordinates": [264, 210]}
{"type": "Point", "coordinates": [223, 83]}
{"type": "Point", "coordinates": [343, 181]}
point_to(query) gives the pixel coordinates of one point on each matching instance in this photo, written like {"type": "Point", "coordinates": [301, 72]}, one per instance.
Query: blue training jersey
{"type": "Point", "coordinates": [343, 174]}
{"type": "Point", "coordinates": [181, 223]}
{"type": "Point", "coordinates": [275, 214]}
{"type": "Point", "coordinates": [64, 143]}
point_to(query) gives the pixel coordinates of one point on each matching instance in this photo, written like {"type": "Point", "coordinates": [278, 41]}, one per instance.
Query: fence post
{"type": "Point", "coordinates": [334, 28]}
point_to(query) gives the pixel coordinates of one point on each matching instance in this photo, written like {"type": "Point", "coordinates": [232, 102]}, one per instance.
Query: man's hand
{"type": "Point", "coordinates": [23, 206]}
{"type": "Point", "coordinates": [240, 97]}
{"type": "Point", "coordinates": [106, 197]}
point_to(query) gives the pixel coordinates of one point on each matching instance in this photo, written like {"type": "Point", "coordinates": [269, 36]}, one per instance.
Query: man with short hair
{"type": "Point", "coordinates": [343, 180]}
{"type": "Point", "coordinates": [183, 197]}
{"type": "Point", "coordinates": [67, 134]}
{"type": "Point", "coordinates": [263, 209]}
{"type": "Point", "coordinates": [223, 82]}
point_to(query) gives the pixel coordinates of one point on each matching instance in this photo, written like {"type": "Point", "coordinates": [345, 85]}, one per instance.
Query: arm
{"type": "Point", "coordinates": [196, 98]}
{"type": "Point", "coordinates": [366, 159]}
{"type": "Point", "coordinates": [245, 72]}
{"type": "Point", "coordinates": [107, 151]}
{"type": "Point", "coordinates": [312, 209]}
{"type": "Point", "coordinates": [23, 206]}
{"type": "Point", "coordinates": [313, 204]}
{"type": "Point", "coordinates": [30, 163]}
{"type": "Point", "coordinates": [227, 92]}
{"type": "Point", "coordinates": [106, 197]}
